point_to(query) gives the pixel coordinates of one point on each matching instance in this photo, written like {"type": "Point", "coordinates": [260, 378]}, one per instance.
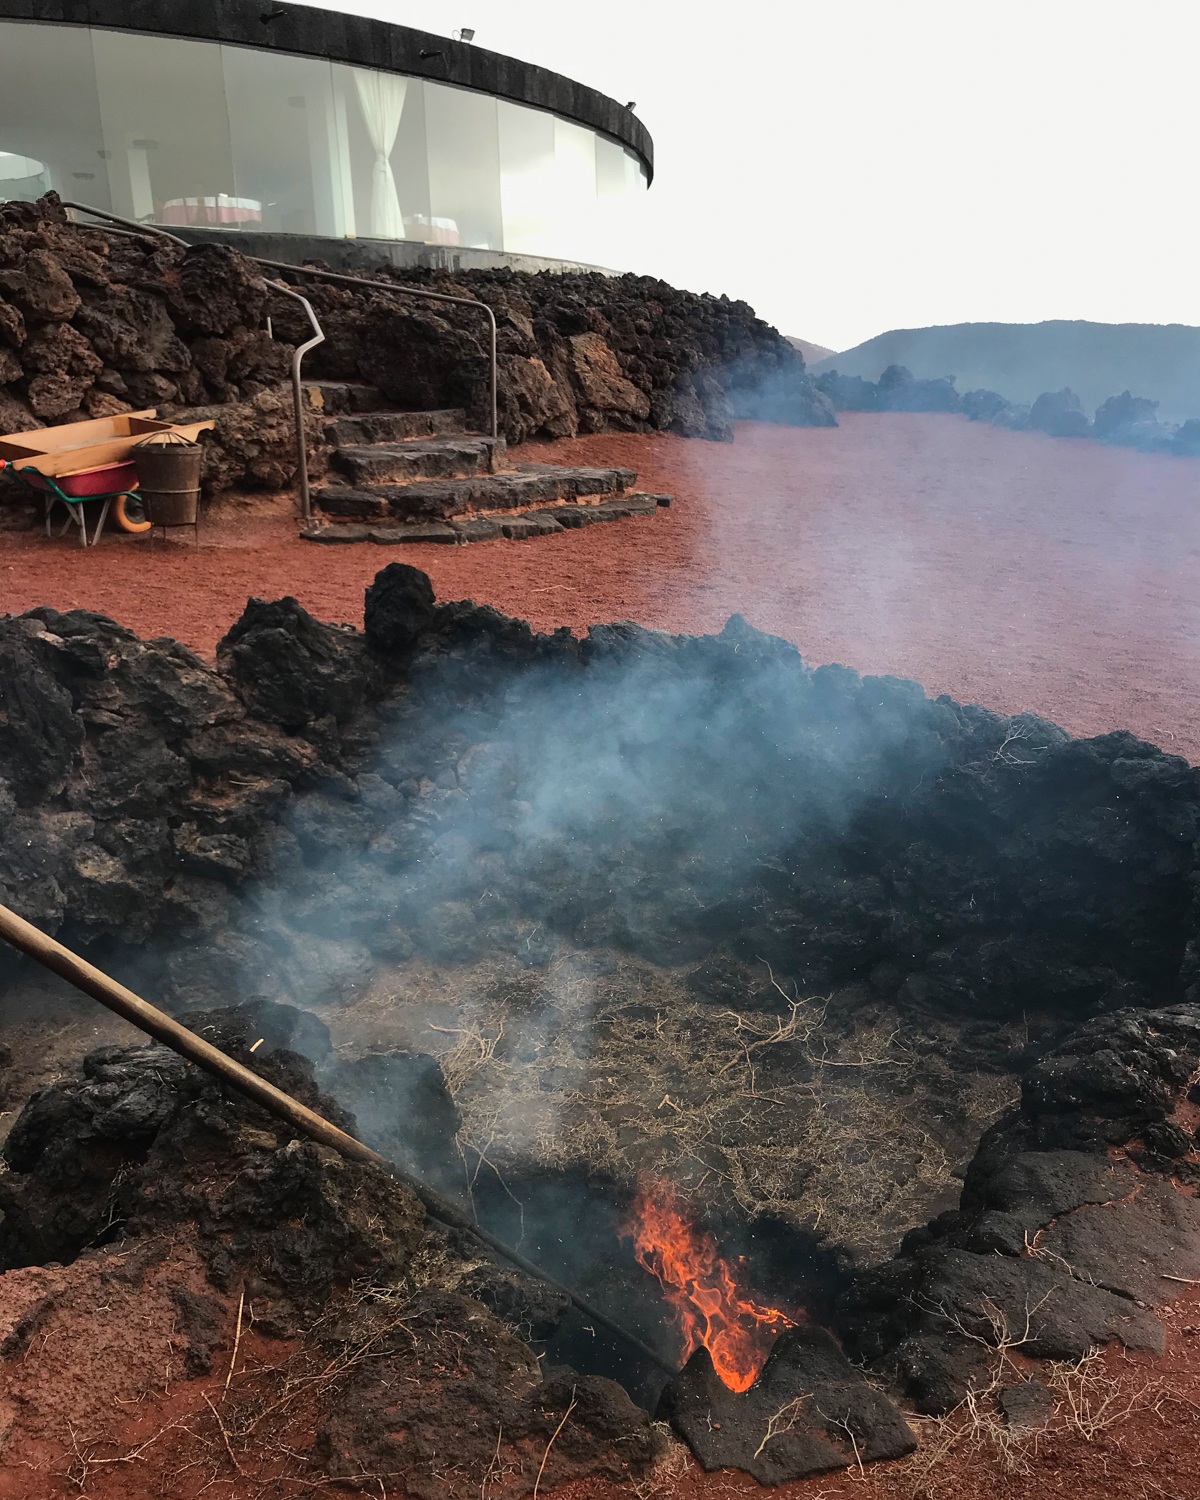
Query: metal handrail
{"type": "Point", "coordinates": [132, 227]}
{"type": "Point", "coordinates": [318, 334]}
{"type": "Point", "coordinates": [473, 303]}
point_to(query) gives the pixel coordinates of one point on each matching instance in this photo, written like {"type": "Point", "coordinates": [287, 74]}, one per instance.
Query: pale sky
{"type": "Point", "coordinates": [850, 166]}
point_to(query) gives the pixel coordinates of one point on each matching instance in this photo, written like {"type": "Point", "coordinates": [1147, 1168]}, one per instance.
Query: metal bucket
{"type": "Point", "coordinates": [169, 482]}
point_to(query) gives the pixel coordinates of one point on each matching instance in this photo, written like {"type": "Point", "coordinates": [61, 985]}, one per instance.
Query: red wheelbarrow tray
{"type": "Point", "coordinates": [109, 479]}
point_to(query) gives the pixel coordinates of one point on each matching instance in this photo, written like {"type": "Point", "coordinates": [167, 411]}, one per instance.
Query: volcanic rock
{"type": "Point", "coordinates": [218, 291]}
{"type": "Point", "coordinates": [145, 735]}
{"type": "Point", "coordinates": [990, 406]}
{"type": "Point", "coordinates": [1027, 1404]}
{"type": "Point", "coordinates": [900, 391]}
{"type": "Point", "coordinates": [1056, 1245]}
{"type": "Point", "coordinates": [64, 367]}
{"type": "Point", "coordinates": [41, 289]}
{"type": "Point", "coordinates": [601, 384]}
{"type": "Point", "coordinates": [895, 390]}
{"type": "Point", "coordinates": [1130, 422]}
{"type": "Point", "coordinates": [399, 606]}
{"type": "Point", "coordinates": [253, 442]}
{"type": "Point", "coordinates": [1186, 439]}
{"type": "Point", "coordinates": [1058, 413]}
{"type": "Point", "coordinates": [291, 669]}
{"type": "Point", "coordinates": [808, 1412]}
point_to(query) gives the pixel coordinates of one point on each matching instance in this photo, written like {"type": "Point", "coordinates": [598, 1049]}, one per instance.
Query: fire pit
{"type": "Point", "coordinates": [697, 974]}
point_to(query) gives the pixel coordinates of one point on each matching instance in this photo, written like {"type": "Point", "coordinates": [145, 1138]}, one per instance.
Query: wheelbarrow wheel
{"type": "Point", "coordinates": [129, 515]}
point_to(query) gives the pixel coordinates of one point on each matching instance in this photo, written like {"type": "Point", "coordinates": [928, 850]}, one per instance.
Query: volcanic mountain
{"type": "Point", "coordinates": [1021, 360]}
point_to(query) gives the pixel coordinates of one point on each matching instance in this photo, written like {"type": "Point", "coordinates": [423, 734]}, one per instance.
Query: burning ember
{"type": "Point", "coordinates": [736, 1331]}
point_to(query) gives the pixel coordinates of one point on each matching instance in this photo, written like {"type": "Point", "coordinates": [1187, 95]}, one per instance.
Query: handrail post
{"type": "Point", "coordinates": [495, 364]}
{"type": "Point", "coordinates": [298, 354]}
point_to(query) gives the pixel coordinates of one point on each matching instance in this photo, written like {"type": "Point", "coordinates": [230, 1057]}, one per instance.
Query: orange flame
{"type": "Point", "coordinates": [737, 1331]}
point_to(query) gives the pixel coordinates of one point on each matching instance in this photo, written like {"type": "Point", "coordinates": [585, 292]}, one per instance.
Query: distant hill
{"type": "Point", "coordinates": [1021, 360]}
{"type": "Point", "coordinates": [812, 353]}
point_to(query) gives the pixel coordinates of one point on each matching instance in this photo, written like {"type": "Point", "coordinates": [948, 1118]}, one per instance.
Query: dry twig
{"type": "Point", "coordinates": [553, 1436]}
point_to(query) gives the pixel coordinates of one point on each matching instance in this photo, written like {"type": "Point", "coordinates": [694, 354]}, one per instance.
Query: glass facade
{"type": "Point", "coordinates": [171, 131]}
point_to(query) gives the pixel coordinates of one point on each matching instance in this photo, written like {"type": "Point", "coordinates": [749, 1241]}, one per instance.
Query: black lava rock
{"type": "Point", "coordinates": [291, 669]}
{"type": "Point", "coordinates": [399, 607]}
{"type": "Point", "coordinates": [1058, 1245]}
{"type": "Point", "coordinates": [808, 1412]}
{"type": "Point", "coordinates": [1058, 413]}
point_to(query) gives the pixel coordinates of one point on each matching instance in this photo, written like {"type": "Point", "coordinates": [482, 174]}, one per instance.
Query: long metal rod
{"type": "Point", "coordinates": [103, 213]}
{"type": "Point", "coordinates": [163, 1028]}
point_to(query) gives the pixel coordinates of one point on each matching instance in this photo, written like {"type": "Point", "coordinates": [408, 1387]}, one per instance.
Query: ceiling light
{"type": "Point", "coordinates": [467, 34]}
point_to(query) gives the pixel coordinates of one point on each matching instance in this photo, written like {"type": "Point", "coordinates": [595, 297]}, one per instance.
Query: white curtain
{"type": "Point", "coordinates": [381, 96]}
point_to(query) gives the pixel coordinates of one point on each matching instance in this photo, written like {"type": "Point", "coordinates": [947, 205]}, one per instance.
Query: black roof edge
{"type": "Point", "coordinates": [306, 31]}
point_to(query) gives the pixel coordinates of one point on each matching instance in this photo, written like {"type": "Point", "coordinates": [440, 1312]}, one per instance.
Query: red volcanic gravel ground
{"type": "Point", "coordinates": [1009, 569]}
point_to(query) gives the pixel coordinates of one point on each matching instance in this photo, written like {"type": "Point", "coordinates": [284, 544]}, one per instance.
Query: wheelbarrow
{"type": "Point", "coordinates": [92, 460]}
{"type": "Point", "coordinates": [113, 485]}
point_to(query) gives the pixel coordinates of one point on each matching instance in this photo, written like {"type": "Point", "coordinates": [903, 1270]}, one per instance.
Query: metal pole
{"type": "Point", "coordinates": [298, 393]}
{"type": "Point", "coordinates": [495, 364]}
{"type": "Point", "coordinates": [164, 1028]}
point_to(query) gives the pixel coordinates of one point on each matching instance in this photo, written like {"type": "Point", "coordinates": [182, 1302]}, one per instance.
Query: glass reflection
{"type": "Point", "coordinates": [526, 147]}
{"type": "Point", "coordinates": [284, 140]}
{"type": "Point", "coordinates": [574, 194]}
{"type": "Point", "coordinates": [179, 132]}
{"type": "Point", "coordinates": [462, 136]}
{"type": "Point", "coordinates": [166, 131]}
{"type": "Point", "coordinates": [49, 112]}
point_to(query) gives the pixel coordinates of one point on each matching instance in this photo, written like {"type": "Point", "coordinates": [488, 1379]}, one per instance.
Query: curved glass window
{"type": "Point", "coordinates": [179, 132]}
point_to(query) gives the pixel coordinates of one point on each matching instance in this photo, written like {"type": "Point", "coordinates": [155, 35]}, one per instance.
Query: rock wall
{"type": "Point", "coordinates": [94, 323]}
{"type": "Point", "coordinates": [579, 352]}
{"type": "Point", "coordinates": [451, 781]}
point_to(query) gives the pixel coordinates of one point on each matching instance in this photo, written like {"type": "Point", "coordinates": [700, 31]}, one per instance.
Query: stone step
{"type": "Point", "coordinates": [543, 521]}
{"type": "Point", "coordinates": [434, 499]}
{"type": "Point", "coordinates": [337, 396]}
{"type": "Point", "coordinates": [394, 427]}
{"type": "Point", "coordinates": [429, 458]}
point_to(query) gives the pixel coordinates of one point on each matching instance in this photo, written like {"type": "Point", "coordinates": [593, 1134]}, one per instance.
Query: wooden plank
{"type": "Point", "coordinates": [78, 460]}
{"type": "Point", "coordinates": [106, 440]}
{"type": "Point", "coordinates": [76, 434]}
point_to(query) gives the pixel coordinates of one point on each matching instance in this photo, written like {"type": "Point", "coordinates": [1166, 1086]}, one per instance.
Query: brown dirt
{"type": "Point", "coordinates": [1015, 570]}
